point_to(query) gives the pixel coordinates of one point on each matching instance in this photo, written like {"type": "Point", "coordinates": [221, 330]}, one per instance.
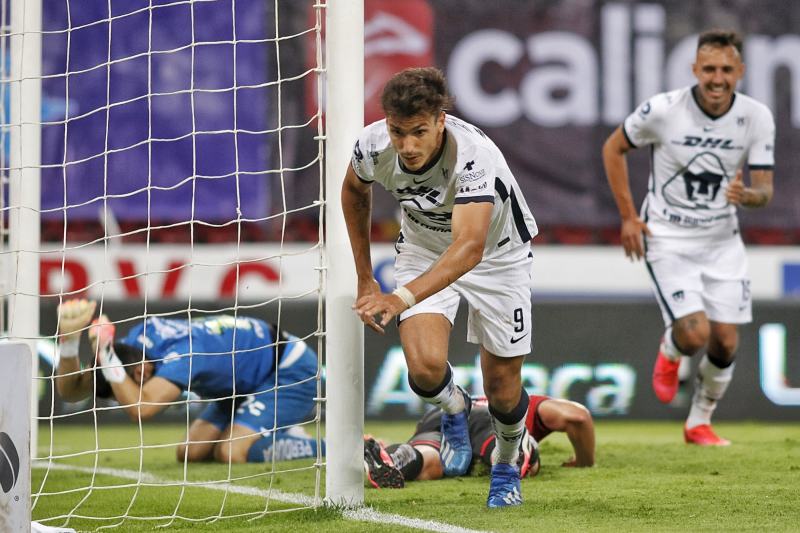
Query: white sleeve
{"type": "Point", "coordinates": [643, 126]}
{"type": "Point", "coordinates": [475, 177]}
{"type": "Point", "coordinates": [762, 149]}
{"type": "Point", "coordinates": [362, 165]}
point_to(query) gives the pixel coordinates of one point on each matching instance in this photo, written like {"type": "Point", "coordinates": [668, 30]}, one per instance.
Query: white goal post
{"type": "Point", "coordinates": [345, 341]}
{"type": "Point", "coordinates": [338, 75]}
{"type": "Point", "coordinates": [24, 180]}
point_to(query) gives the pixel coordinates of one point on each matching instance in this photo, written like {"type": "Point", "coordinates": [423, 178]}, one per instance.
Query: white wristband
{"type": "Point", "coordinates": [68, 347]}
{"type": "Point", "coordinates": [406, 295]}
{"type": "Point", "coordinates": [111, 366]}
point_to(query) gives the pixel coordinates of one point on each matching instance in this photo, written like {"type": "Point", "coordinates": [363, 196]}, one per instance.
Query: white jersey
{"type": "Point", "coordinates": [694, 158]}
{"type": "Point", "coordinates": [469, 169]}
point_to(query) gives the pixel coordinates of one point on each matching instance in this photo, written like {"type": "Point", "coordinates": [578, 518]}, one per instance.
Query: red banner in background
{"type": "Point", "coordinates": [397, 35]}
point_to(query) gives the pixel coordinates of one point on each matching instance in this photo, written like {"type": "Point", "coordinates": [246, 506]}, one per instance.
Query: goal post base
{"type": "Point", "coordinates": [15, 434]}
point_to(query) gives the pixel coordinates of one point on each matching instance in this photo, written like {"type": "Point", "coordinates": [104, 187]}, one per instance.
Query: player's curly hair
{"type": "Point", "coordinates": [718, 37]}
{"type": "Point", "coordinates": [416, 91]}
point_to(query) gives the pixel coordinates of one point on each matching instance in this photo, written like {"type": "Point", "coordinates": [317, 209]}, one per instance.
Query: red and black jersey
{"type": "Point", "coordinates": [481, 433]}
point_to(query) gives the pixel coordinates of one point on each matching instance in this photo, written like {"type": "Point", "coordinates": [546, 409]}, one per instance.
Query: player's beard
{"type": "Point", "coordinates": [717, 97]}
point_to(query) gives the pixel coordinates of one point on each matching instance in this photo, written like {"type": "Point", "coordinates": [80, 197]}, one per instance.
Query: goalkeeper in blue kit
{"type": "Point", "coordinates": [258, 383]}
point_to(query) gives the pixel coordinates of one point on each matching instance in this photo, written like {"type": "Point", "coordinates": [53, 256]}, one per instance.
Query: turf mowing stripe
{"type": "Point", "coordinates": [371, 515]}
{"type": "Point", "coordinates": [361, 515]}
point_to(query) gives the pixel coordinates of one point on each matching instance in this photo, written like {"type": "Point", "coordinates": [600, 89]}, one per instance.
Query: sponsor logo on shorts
{"type": "Point", "coordinates": [678, 296]}
{"type": "Point", "coordinates": [516, 340]}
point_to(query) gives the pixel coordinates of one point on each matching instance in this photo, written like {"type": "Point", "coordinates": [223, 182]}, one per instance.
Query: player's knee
{"type": "Point", "coordinates": [186, 453]}
{"type": "Point", "coordinates": [729, 347]}
{"type": "Point", "coordinates": [723, 349]}
{"type": "Point", "coordinates": [426, 376]}
{"type": "Point", "coordinates": [691, 334]}
{"type": "Point", "coordinates": [226, 452]}
{"type": "Point", "coordinates": [723, 343]}
{"type": "Point", "coordinates": [692, 341]}
{"type": "Point", "coordinates": [190, 453]}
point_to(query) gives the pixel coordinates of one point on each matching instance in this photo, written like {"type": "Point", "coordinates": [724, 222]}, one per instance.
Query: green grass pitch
{"type": "Point", "coordinates": [646, 479]}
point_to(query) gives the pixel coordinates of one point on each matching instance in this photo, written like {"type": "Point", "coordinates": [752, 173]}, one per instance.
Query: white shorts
{"type": "Point", "coordinates": [703, 275]}
{"type": "Point", "coordinates": [497, 290]}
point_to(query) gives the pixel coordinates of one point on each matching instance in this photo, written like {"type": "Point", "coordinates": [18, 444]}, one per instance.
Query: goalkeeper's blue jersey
{"type": "Point", "coordinates": [209, 355]}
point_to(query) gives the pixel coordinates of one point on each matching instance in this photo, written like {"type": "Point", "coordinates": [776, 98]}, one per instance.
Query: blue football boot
{"type": "Point", "coordinates": [456, 448]}
{"type": "Point", "coordinates": [504, 490]}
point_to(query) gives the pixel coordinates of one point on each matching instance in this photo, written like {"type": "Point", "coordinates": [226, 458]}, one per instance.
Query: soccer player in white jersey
{"type": "Point", "coordinates": [700, 137]}
{"type": "Point", "coordinates": [465, 232]}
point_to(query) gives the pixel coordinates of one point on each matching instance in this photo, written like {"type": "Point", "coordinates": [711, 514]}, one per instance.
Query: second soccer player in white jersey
{"type": "Point", "coordinates": [465, 232]}
{"type": "Point", "coordinates": [701, 137]}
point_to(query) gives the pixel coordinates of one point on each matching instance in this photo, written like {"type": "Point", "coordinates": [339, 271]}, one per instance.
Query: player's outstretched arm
{"type": "Point", "coordinates": [470, 225]}
{"type": "Point", "coordinates": [357, 209]}
{"type": "Point", "coordinates": [74, 316]}
{"type": "Point", "coordinates": [155, 395]}
{"type": "Point", "coordinates": [576, 421]}
{"type": "Point", "coordinates": [758, 194]}
{"type": "Point", "coordinates": [616, 167]}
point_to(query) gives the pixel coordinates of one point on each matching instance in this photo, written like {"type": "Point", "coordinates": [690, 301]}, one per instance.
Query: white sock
{"type": "Point", "coordinates": [710, 387]}
{"type": "Point", "coordinates": [450, 400]}
{"type": "Point", "coordinates": [507, 440]}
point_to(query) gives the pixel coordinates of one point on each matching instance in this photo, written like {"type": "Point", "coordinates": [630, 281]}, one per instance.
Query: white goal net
{"type": "Point", "coordinates": [164, 159]}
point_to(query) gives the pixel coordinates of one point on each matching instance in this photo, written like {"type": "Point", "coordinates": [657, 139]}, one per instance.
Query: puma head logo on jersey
{"type": "Point", "coordinates": [702, 187]}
